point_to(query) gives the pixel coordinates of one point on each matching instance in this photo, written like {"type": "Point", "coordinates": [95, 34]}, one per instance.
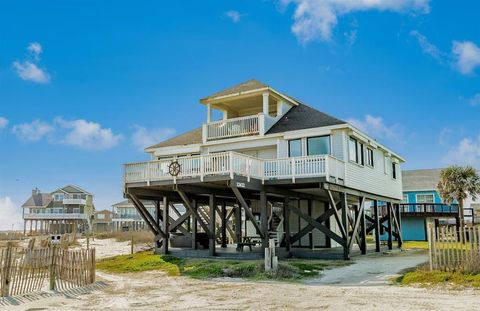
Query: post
{"type": "Point", "coordinates": [263, 218]}
{"type": "Point", "coordinates": [328, 240]}
{"type": "Point", "coordinates": [399, 224]}
{"type": "Point", "coordinates": [224, 224]}
{"type": "Point", "coordinates": [7, 271]}
{"type": "Point", "coordinates": [363, 232]}
{"type": "Point", "coordinates": [211, 244]}
{"type": "Point", "coordinates": [377, 226]}
{"type": "Point", "coordinates": [390, 222]}
{"type": "Point", "coordinates": [88, 241]}
{"type": "Point", "coordinates": [238, 224]}
{"type": "Point", "coordinates": [194, 226]}
{"type": "Point", "coordinates": [265, 104]}
{"type": "Point", "coordinates": [165, 225]}
{"type": "Point", "coordinates": [286, 223]}
{"type": "Point", "coordinates": [131, 246]}
{"type": "Point", "coordinates": [52, 268]}
{"type": "Point", "coordinates": [344, 205]}
{"type": "Point", "coordinates": [157, 219]}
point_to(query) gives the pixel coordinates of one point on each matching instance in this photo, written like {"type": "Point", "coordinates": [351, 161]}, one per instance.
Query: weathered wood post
{"type": "Point", "coordinates": [377, 226]}
{"type": "Point", "coordinates": [224, 225]}
{"type": "Point", "coordinates": [6, 271]}
{"type": "Point", "coordinates": [211, 244]}
{"type": "Point", "coordinates": [52, 267]}
{"type": "Point", "coordinates": [271, 260]}
{"type": "Point", "coordinates": [88, 241]}
{"type": "Point", "coordinates": [166, 229]}
{"type": "Point", "coordinates": [390, 226]}
{"type": "Point", "coordinates": [264, 218]}
{"type": "Point", "coordinates": [286, 223]}
{"type": "Point", "coordinates": [131, 245]}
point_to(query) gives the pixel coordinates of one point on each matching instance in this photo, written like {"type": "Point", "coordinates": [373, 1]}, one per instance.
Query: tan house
{"type": "Point", "coordinates": [64, 210]}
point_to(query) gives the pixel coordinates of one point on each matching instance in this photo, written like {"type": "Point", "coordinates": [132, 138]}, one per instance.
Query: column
{"type": "Point", "coordinates": [224, 224]}
{"type": "Point", "coordinates": [165, 226]}
{"type": "Point", "coordinates": [264, 218]}
{"type": "Point", "coordinates": [194, 226]}
{"type": "Point", "coordinates": [211, 244]}
{"type": "Point", "coordinates": [286, 223]}
{"type": "Point", "coordinates": [344, 205]}
{"type": "Point", "coordinates": [390, 223]}
{"type": "Point", "coordinates": [377, 226]}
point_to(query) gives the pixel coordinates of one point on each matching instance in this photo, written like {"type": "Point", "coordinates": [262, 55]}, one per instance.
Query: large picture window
{"type": "Point", "coordinates": [295, 148]}
{"type": "Point", "coordinates": [318, 145]}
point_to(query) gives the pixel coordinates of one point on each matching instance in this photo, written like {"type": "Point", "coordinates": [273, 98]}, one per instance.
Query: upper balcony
{"type": "Point", "coordinates": [50, 216]}
{"type": "Point", "coordinates": [71, 201]}
{"type": "Point", "coordinates": [246, 110]}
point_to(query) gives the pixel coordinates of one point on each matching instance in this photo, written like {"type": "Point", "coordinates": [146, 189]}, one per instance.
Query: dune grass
{"type": "Point", "coordinates": [434, 278]}
{"type": "Point", "coordinates": [289, 270]}
{"type": "Point", "coordinates": [408, 245]}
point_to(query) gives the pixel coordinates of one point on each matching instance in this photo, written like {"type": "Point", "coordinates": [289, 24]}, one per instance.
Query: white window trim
{"type": "Point", "coordinates": [425, 194]}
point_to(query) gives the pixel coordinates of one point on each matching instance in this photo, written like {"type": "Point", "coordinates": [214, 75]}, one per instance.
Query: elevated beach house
{"type": "Point", "coordinates": [422, 205]}
{"type": "Point", "coordinates": [273, 168]}
{"type": "Point", "coordinates": [64, 210]}
{"type": "Point", "coordinates": [127, 218]}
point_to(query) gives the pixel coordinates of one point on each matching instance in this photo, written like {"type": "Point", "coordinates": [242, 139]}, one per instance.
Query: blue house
{"type": "Point", "coordinates": [422, 204]}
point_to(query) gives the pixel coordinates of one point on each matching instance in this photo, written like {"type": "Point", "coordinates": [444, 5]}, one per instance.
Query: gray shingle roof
{"type": "Point", "coordinates": [249, 85]}
{"type": "Point", "coordinates": [303, 117]}
{"type": "Point", "coordinates": [39, 200]}
{"type": "Point", "coordinates": [191, 137]}
{"type": "Point", "coordinates": [420, 180]}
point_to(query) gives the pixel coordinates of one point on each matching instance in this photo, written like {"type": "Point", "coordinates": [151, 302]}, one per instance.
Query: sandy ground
{"type": "Point", "coordinates": [361, 286]}
{"type": "Point", "coordinates": [153, 289]}
{"type": "Point", "coordinates": [109, 247]}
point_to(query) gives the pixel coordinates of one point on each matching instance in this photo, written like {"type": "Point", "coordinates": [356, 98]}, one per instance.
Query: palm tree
{"type": "Point", "coordinates": [456, 183]}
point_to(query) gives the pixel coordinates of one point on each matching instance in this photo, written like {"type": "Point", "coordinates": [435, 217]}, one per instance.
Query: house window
{"type": "Point", "coordinates": [58, 196]}
{"type": "Point", "coordinates": [394, 170]}
{"type": "Point", "coordinates": [295, 148]}
{"type": "Point", "coordinates": [318, 145]}
{"type": "Point", "coordinates": [100, 216]}
{"type": "Point", "coordinates": [369, 155]}
{"type": "Point", "coordinates": [425, 198]}
{"type": "Point", "coordinates": [361, 155]}
{"type": "Point", "coordinates": [353, 150]}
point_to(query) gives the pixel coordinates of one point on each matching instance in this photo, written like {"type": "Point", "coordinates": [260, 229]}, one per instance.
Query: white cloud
{"type": "Point", "coordinates": [376, 127]}
{"type": "Point", "coordinates": [351, 36]}
{"type": "Point", "coordinates": [10, 215]}
{"type": "Point", "coordinates": [143, 137]}
{"type": "Point", "coordinates": [466, 152]}
{"type": "Point", "coordinates": [29, 69]}
{"type": "Point", "coordinates": [467, 56]}
{"type": "Point", "coordinates": [233, 15]}
{"type": "Point", "coordinates": [315, 19]}
{"type": "Point", "coordinates": [87, 135]}
{"type": "Point", "coordinates": [426, 46]}
{"type": "Point", "coordinates": [3, 123]}
{"type": "Point", "coordinates": [33, 131]}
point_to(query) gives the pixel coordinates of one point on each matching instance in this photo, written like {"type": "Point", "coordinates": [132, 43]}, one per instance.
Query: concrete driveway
{"type": "Point", "coordinates": [372, 269]}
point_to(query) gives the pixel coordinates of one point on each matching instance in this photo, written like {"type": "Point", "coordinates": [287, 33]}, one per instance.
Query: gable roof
{"type": "Point", "coordinates": [246, 86]}
{"type": "Point", "coordinates": [39, 200]}
{"type": "Point", "coordinates": [72, 189]}
{"type": "Point", "coordinates": [421, 180]}
{"type": "Point", "coordinates": [191, 137]}
{"type": "Point", "coordinates": [303, 117]}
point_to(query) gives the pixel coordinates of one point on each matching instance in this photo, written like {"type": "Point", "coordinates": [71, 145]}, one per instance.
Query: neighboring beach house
{"type": "Point", "coordinates": [127, 218]}
{"type": "Point", "coordinates": [64, 210]}
{"type": "Point", "coordinates": [103, 221]}
{"type": "Point", "coordinates": [271, 167]}
{"type": "Point", "coordinates": [422, 204]}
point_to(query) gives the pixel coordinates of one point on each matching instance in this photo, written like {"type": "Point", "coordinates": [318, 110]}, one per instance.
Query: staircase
{"type": "Point", "coordinates": [275, 224]}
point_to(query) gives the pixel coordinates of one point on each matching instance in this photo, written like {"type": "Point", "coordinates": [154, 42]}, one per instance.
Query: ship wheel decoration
{"type": "Point", "coordinates": [174, 168]}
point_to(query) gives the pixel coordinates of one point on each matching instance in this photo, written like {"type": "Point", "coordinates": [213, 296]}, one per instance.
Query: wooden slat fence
{"type": "Point", "coordinates": [452, 250]}
{"type": "Point", "coordinates": [25, 270]}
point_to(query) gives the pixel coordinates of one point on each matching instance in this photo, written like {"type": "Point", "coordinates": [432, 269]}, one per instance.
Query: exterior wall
{"type": "Point", "coordinates": [413, 229]}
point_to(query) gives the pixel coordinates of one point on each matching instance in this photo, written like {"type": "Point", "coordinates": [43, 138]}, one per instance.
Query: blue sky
{"type": "Point", "coordinates": [84, 85]}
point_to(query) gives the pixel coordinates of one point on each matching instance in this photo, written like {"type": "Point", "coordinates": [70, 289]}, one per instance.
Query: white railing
{"type": "Point", "coordinates": [243, 126]}
{"type": "Point", "coordinates": [54, 216]}
{"type": "Point", "coordinates": [236, 164]}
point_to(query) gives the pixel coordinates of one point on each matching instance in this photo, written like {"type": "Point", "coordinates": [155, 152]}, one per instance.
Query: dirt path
{"type": "Point", "coordinates": [149, 290]}
{"type": "Point", "coordinates": [373, 269]}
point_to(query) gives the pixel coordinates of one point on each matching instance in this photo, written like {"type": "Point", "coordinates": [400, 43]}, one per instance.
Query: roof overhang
{"type": "Point", "coordinates": [248, 93]}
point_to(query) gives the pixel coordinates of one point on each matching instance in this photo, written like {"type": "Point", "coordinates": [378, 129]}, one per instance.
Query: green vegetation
{"type": "Point", "coordinates": [292, 269]}
{"type": "Point", "coordinates": [415, 245]}
{"type": "Point", "coordinates": [432, 278]}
